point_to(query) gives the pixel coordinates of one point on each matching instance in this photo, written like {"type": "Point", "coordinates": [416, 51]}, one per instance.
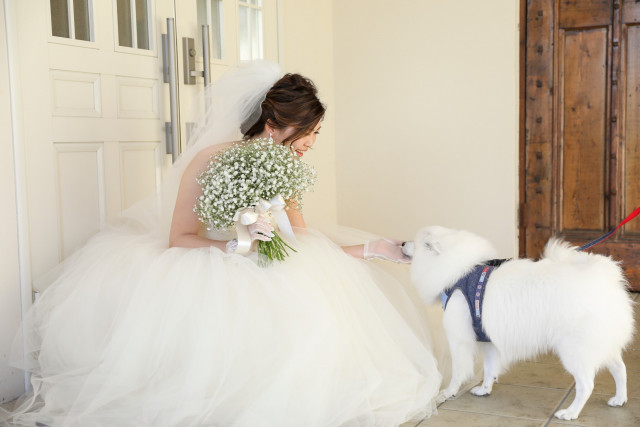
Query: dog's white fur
{"type": "Point", "coordinates": [570, 302]}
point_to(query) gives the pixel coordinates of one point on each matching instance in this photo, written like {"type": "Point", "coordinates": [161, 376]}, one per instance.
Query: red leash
{"type": "Point", "coordinates": [602, 238]}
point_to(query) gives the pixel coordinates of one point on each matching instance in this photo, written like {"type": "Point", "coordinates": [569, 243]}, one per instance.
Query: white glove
{"type": "Point", "coordinates": [259, 230]}
{"type": "Point", "coordinates": [386, 249]}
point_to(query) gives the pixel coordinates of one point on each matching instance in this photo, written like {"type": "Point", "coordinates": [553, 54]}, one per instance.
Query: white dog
{"type": "Point", "coordinates": [570, 302]}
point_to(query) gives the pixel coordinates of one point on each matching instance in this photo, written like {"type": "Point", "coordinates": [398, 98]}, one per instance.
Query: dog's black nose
{"type": "Point", "coordinates": [403, 243]}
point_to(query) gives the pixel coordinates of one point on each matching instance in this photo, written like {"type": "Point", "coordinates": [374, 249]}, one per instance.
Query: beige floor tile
{"type": "Point", "coordinates": [597, 413]}
{"type": "Point", "coordinates": [632, 360]}
{"type": "Point", "coordinates": [565, 423]}
{"type": "Point", "coordinates": [604, 384]}
{"type": "Point", "coordinates": [538, 375]}
{"type": "Point", "coordinates": [511, 401]}
{"type": "Point", "coordinates": [461, 419]}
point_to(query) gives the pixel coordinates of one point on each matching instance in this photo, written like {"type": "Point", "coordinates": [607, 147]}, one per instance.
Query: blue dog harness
{"type": "Point", "coordinates": [472, 287]}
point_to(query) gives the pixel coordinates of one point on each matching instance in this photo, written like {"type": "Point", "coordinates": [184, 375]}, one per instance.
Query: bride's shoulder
{"type": "Point", "coordinates": [201, 159]}
{"type": "Point", "coordinates": [207, 152]}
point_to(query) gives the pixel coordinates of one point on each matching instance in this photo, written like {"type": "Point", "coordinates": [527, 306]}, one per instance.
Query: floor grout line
{"type": "Point", "coordinates": [491, 414]}
{"type": "Point", "coordinates": [551, 418]}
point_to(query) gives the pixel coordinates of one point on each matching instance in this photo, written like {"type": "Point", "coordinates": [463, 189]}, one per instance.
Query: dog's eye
{"type": "Point", "coordinates": [428, 246]}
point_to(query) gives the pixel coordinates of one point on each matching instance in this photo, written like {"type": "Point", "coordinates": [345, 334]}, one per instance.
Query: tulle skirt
{"type": "Point", "coordinates": [135, 334]}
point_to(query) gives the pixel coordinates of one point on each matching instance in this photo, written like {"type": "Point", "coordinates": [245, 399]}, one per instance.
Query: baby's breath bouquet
{"type": "Point", "coordinates": [242, 176]}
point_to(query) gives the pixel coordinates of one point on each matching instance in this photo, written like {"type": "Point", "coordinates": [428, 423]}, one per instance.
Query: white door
{"type": "Point", "coordinates": [239, 30]}
{"type": "Point", "coordinates": [94, 104]}
{"type": "Point", "coordinates": [11, 380]}
{"type": "Point", "coordinates": [93, 100]}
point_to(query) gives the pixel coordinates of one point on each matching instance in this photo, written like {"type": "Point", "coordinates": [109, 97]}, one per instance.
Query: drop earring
{"type": "Point", "coordinates": [270, 137]}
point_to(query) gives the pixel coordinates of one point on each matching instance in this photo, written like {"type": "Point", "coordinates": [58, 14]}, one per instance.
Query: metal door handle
{"type": "Point", "coordinates": [206, 56]}
{"type": "Point", "coordinates": [189, 59]}
{"type": "Point", "coordinates": [172, 129]}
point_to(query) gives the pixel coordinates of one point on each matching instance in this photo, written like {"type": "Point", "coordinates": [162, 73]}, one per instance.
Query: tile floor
{"type": "Point", "coordinates": [530, 392]}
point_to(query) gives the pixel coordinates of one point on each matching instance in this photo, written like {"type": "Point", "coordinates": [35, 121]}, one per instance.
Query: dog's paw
{"type": "Point", "coordinates": [445, 395]}
{"type": "Point", "coordinates": [565, 414]}
{"type": "Point", "coordinates": [481, 390]}
{"type": "Point", "coordinates": [617, 401]}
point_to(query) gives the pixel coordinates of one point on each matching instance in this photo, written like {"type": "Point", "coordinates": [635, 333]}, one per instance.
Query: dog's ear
{"type": "Point", "coordinates": [433, 247]}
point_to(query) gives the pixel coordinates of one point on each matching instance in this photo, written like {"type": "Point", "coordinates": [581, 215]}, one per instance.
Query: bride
{"type": "Point", "coordinates": [158, 322]}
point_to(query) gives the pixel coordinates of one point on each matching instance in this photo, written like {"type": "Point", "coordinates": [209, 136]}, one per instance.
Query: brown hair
{"type": "Point", "coordinates": [291, 102]}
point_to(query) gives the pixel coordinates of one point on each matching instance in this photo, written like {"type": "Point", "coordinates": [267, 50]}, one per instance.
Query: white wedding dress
{"type": "Point", "coordinates": [134, 333]}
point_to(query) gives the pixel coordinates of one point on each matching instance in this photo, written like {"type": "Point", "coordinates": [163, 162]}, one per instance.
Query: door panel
{"type": "Point", "coordinates": [582, 136]}
{"type": "Point", "coordinates": [88, 104]}
{"type": "Point", "coordinates": [584, 13]}
{"type": "Point", "coordinates": [95, 106]}
{"type": "Point", "coordinates": [632, 129]}
{"type": "Point", "coordinates": [11, 379]}
{"type": "Point", "coordinates": [79, 176]}
{"type": "Point", "coordinates": [582, 163]}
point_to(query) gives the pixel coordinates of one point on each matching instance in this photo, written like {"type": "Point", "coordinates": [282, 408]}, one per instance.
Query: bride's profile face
{"type": "Point", "coordinates": [300, 145]}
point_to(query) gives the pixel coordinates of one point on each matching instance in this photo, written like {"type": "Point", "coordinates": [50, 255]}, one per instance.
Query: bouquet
{"type": "Point", "coordinates": [252, 176]}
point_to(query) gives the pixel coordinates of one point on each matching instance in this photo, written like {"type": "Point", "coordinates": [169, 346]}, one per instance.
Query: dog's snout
{"type": "Point", "coordinates": [407, 249]}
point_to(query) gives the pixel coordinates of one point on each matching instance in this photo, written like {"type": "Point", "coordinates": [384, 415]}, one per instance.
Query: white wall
{"type": "Point", "coordinates": [11, 380]}
{"type": "Point", "coordinates": [307, 48]}
{"type": "Point", "coordinates": [426, 116]}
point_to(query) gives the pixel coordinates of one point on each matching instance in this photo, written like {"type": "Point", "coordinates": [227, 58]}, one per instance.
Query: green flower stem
{"type": "Point", "coordinates": [276, 248]}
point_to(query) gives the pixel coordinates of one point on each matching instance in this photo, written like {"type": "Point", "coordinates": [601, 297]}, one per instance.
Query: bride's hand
{"type": "Point", "coordinates": [261, 229]}
{"type": "Point", "coordinates": [386, 249]}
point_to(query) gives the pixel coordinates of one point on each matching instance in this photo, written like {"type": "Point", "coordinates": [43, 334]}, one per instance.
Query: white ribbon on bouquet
{"type": "Point", "coordinates": [244, 217]}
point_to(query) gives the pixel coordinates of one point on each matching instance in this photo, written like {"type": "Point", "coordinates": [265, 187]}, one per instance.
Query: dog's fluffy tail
{"type": "Point", "coordinates": [558, 250]}
{"type": "Point", "coordinates": [600, 283]}
{"type": "Point", "coordinates": [562, 251]}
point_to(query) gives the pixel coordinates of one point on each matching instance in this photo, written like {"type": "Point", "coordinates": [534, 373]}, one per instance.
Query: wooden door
{"type": "Point", "coordinates": [581, 155]}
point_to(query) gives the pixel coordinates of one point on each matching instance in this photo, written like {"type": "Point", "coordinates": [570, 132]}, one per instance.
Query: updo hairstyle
{"type": "Point", "coordinates": [291, 102]}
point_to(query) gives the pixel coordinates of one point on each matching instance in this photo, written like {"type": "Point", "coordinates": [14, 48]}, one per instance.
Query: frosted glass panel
{"type": "Point", "coordinates": [256, 34]}
{"type": "Point", "coordinates": [125, 37]}
{"type": "Point", "coordinates": [243, 33]}
{"type": "Point", "coordinates": [210, 12]}
{"type": "Point", "coordinates": [133, 24]}
{"type": "Point", "coordinates": [142, 24]}
{"type": "Point", "coordinates": [216, 28]}
{"type": "Point", "coordinates": [59, 18]}
{"type": "Point", "coordinates": [71, 19]}
{"type": "Point", "coordinates": [82, 19]}
{"type": "Point", "coordinates": [250, 30]}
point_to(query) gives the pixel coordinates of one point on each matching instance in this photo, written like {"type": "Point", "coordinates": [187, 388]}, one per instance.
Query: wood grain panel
{"type": "Point", "coordinates": [539, 83]}
{"type": "Point", "coordinates": [605, 97]}
{"type": "Point", "coordinates": [631, 11]}
{"type": "Point", "coordinates": [632, 132]}
{"type": "Point", "coordinates": [583, 106]}
{"type": "Point", "coordinates": [584, 13]}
